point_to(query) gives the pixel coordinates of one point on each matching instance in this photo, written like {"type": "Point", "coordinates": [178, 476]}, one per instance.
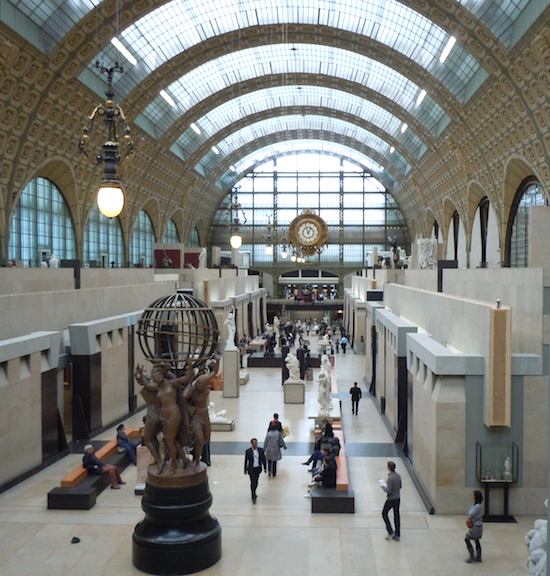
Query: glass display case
{"type": "Point", "coordinates": [497, 463]}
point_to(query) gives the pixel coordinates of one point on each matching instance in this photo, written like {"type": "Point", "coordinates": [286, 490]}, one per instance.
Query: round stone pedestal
{"type": "Point", "coordinates": [178, 535]}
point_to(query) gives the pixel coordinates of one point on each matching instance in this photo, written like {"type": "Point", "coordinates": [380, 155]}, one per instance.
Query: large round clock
{"type": "Point", "coordinates": [309, 232]}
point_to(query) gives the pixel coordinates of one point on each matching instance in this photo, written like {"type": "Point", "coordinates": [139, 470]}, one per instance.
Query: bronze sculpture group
{"type": "Point", "coordinates": [177, 407]}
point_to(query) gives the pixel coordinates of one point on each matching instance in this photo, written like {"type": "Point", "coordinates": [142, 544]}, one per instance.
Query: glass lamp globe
{"type": "Point", "coordinates": [236, 241]}
{"type": "Point", "coordinates": [269, 250]}
{"type": "Point", "coordinates": [284, 253]}
{"type": "Point", "coordinates": [293, 258]}
{"type": "Point", "coordinates": [110, 199]}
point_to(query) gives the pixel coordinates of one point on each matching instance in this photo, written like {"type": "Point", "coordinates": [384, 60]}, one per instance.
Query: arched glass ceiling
{"type": "Point", "coordinates": [301, 123]}
{"type": "Point", "coordinates": [291, 146]}
{"type": "Point", "coordinates": [283, 96]}
{"type": "Point", "coordinates": [47, 21]}
{"type": "Point", "coordinates": [250, 63]}
{"type": "Point", "coordinates": [178, 25]}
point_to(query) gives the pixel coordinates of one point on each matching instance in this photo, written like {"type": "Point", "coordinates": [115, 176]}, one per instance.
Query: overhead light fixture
{"type": "Point", "coordinates": [236, 240]}
{"type": "Point", "coordinates": [284, 252]}
{"type": "Point", "coordinates": [392, 149]}
{"type": "Point", "coordinates": [293, 258]}
{"type": "Point", "coordinates": [215, 150]}
{"type": "Point", "coordinates": [124, 51]}
{"type": "Point", "coordinates": [110, 197]}
{"type": "Point", "coordinates": [269, 249]}
{"type": "Point", "coordinates": [447, 50]}
{"type": "Point", "coordinates": [167, 98]}
{"type": "Point", "coordinates": [404, 127]}
{"type": "Point", "coordinates": [233, 211]}
{"type": "Point", "coordinates": [421, 97]}
{"type": "Point", "coordinates": [195, 128]}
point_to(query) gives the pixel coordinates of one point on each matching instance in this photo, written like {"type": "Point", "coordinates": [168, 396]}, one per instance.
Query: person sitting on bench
{"type": "Point", "coordinates": [327, 476]}
{"type": "Point", "coordinates": [123, 441]}
{"type": "Point", "coordinates": [95, 466]}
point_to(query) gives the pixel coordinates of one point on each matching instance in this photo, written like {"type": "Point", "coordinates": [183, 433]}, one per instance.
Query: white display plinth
{"type": "Point", "coordinates": [334, 414]}
{"type": "Point", "coordinates": [294, 392]}
{"type": "Point", "coordinates": [231, 373]}
{"type": "Point", "coordinates": [222, 426]}
{"type": "Point", "coordinates": [243, 377]}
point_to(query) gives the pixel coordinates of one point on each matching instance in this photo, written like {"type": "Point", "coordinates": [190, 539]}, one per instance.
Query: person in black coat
{"type": "Point", "coordinates": [356, 394]}
{"type": "Point", "coordinates": [95, 466]}
{"type": "Point", "coordinates": [254, 461]}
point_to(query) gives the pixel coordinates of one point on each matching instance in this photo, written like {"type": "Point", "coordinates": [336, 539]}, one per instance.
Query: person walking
{"type": "Point", "coordinates": [276, 423]}
{"type": "Point", "coordinates": [343, 344]}
{"type": "Point", "coordinates": [254, 461]}
{"type": "Point", "coordinates": [356, 394]}
{"type": "Point", "coordinates": [392, 488]}
{"type": "Point", "coordinates": [475, 528]}
{"type": "Point", "coordinates": [272, 447]}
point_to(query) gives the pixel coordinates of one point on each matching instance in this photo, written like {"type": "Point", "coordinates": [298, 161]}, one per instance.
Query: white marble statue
{"type": "Point", "coordinates": [54, 261]}
{"type": "Point", "coordinates": [217, 417]}
{"type": "Point", "coordinates": [324, 395]}
{"type": "Point", "coordinates": [293, 366]}
{"type": "Point", "coordinates": [427, 253]}
{"type": "Point", "coordinates": [326, 365]}
{"type": "Point", "coordinates": [276, 323]}
{"type": "Point", "coordinates": [535, 540]}
{"type": "Point", "coordinates": [202, 258]}
{"type": "Point", "coordinates": [230, 323]}
{"type": "Point", "coordinates": [507, 469]}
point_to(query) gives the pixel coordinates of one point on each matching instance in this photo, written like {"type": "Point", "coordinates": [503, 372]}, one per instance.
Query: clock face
{"type": "Point", "coordinates": [308, 233]}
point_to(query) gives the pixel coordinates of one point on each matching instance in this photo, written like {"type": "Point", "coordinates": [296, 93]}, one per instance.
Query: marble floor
{"type": "Point", "coordinates": [277, 536]}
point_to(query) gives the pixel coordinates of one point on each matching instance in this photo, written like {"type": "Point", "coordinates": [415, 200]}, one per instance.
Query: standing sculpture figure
{"type": "Point", "coordinates": [196, 395]}
{"type": "Point", "coordinates": [231, 329]}
{"type": "Point", "coordinates": [324, 396]}
{"type": "Point", "coordinates": [293, 366]}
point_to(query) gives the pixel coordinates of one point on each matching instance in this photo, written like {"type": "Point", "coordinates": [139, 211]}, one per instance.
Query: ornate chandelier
{"type": "Point", "coordinates": [110, 196]}
{"type": "Point", "coordinates": [233, 210]}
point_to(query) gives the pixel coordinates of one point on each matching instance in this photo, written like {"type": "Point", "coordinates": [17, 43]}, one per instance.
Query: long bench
{"type": "Point", "coordinates": [340, 499]}
{"type": "Point", "coordinates": [78, 490]}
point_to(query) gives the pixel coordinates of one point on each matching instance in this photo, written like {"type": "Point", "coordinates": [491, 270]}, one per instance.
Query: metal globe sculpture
{"type": "Point", "coordinates": [177, 329]}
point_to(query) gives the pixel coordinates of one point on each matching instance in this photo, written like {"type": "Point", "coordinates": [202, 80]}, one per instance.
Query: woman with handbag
{"type": "Point", "coordinates": [474, 522]}
{"type": "Point", "coordinates": [272, 447]}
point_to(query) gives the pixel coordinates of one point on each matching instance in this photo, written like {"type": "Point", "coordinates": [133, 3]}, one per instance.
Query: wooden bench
{"type": "Point", "coordinates": [78, 490]}
{"type": "Point", "coordinates": [340, 499]}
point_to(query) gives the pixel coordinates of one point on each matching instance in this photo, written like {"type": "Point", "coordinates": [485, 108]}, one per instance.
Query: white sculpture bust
{"type": "Point", "coordinates": [293, 366]}
{"type": "Point", "coordinates": [324, 396]}
{"type": "Point", "coordinates": [230, 323]}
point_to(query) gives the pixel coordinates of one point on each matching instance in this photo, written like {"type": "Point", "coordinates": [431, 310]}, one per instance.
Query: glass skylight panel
{"type": "Point", "coordinates": [179, 25]}
{"type": "Point", "coordinates": [231, 68]}
{"type": "Point", "coordinates": [55, 17]}
{"type": "Point", "coordinates": [293, 146]}
{"type": "Point", "coordinates": [500, 16]}
{"type": "Point", "coordinates": [298, 122]}
{"type": "Point", "coordinates": [289, 95]}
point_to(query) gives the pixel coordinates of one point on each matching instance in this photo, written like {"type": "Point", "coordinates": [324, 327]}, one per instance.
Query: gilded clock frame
{"type": "Point", "coordinates": [312, 218]}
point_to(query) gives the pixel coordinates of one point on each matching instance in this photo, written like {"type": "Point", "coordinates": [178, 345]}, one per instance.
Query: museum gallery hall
{"type": "Point", "coordinates": [215, 219]}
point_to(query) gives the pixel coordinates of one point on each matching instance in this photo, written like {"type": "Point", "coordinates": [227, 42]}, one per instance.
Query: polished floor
{"type": "Point", "coordinates": [278, 536]}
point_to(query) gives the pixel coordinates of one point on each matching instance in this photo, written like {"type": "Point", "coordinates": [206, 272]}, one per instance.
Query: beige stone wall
{"type": "Point", "coordinates": [390, 378]}
{"type": "Point", "coordinates": [104, 277]}
{"type": "Point", "coordinates": [519, 288]}
{"type": "Point", "coordinates": [22, 280]}
{"type": "Point", "coordinates": [57, 310]}
{"type": "Point", "coordinates": [20, 416]}
{"type": "Point", "coordinates": [114, 375]}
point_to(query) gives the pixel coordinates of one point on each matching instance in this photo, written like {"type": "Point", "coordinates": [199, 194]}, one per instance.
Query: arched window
{"type": "Point", "coordinates": [41, 225]}
{"type": "Point", "coordinates": [170, 235]}
{"type": "Point", "coordinates": [455, 230]}
{"type": "Point", "coordinates": [143, 238]}
{"type": "Point", "coordinates": [103, 243]}
{"type": "Point", "coordinates": [529, 194]}
{"type": "Point", "coordinates": [194, 240]}
{"type": "Point", "coordinates": [435, 231]}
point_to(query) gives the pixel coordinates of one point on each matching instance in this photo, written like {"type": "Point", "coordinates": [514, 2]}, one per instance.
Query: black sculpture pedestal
{"type": "Point", "coordinates": [178, 535]}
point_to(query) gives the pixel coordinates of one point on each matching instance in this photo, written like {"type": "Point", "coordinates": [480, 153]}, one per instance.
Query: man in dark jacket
{"type": "Point", "coordinates": [254, 461]}
{"type": "Point", "coordinates": [356, 394]}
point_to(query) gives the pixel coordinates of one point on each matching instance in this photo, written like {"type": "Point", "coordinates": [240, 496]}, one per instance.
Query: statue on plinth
{"type": "Point", "coordinates": [535, 540]}
{"type": "Point", "coordinates": [325, 392]}
{"type": "Point", "coordinates": [231, 329]}
{"type": "Point", "coordinates": [202, 259]}
{"type": "Point", "coordinates": [179, 335]}
{"type": "Point", "coordinates": [217, 417]}
{"type": "Point", "coordinates": [293, 367]}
